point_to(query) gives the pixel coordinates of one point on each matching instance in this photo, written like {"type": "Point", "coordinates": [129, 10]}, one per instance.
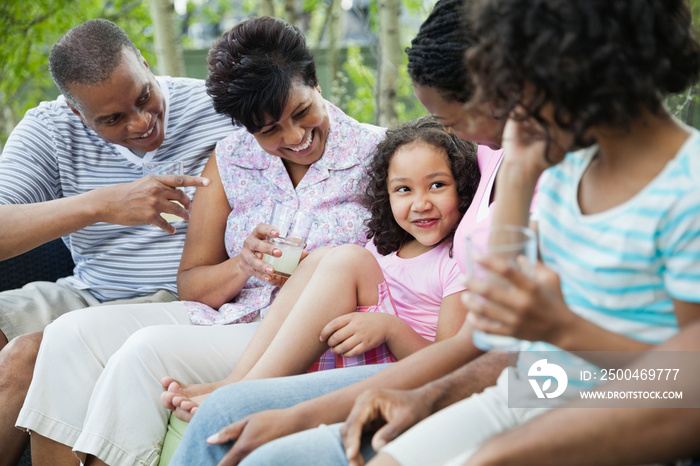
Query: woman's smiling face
{"type": "Point", "coordinates": [299, 136]}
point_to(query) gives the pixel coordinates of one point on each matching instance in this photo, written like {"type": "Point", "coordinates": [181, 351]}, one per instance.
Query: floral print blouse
{"type": "Point", "coordinates": [254, 180]}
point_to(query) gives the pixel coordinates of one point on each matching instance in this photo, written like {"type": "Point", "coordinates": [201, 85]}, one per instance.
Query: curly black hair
{"type": "Point", "coordinates": [599, 62]}
{"type": "Point", "coordinates": [436, 54]}
{"type": "Point", "coordinates": [253, 67]}
{"type": "Point", "coordinates": [388, 236]}
{"type": "Point", "coordinates": [88, 54]}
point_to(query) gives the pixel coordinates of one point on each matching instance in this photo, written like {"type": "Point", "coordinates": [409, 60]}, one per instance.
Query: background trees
{"type": "Point", "coordinates": [358, 45]}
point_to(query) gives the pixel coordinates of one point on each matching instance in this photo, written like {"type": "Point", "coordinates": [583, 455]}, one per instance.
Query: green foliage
{"type": "Point", "coordinates": [686, 105]}
{"type": "Point", "coordinates": [353, 90]}
{"type": "Point", "coordinates": [30, 30]}
{"type": "Point", "coordinates": [408, 107]}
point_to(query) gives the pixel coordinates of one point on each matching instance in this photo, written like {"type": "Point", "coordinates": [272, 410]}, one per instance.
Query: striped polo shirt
{"type": "Point", "coordinates": [52, 154]}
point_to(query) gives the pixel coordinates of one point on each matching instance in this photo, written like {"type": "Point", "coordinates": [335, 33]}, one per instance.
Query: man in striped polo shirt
{"type": "Point", "coordinates": [72, 168]}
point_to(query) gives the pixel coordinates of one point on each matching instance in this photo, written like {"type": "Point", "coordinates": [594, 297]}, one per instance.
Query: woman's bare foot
{"type": "Point", "coordinates": [183, 400]}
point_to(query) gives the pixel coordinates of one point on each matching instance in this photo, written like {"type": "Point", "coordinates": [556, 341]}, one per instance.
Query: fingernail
{"type": "Point", "coordinates": [266, 278]}
{"type": "Point", "coordinates": [274, 232]}
{"type": "Point", "coordinates": [214, 438]}
{"type": "Point", "coordinates": [269, 270]}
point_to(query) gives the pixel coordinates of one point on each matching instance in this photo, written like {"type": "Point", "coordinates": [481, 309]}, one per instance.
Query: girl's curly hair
{"type": "Point", "coordinates": [599, 62]}
{"type": "Point", "coordinates": [388, 236]}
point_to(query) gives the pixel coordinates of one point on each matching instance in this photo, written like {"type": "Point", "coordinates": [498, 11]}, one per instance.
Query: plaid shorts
{"type": "Point", "coordinates": [379, 355]}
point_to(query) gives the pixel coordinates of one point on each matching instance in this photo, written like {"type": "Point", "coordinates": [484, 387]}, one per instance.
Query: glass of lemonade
{"type": "Point", "coordinates": [293, 226]}
{"type": "Point", "coordinates": [166, 168]}
{"type": "Point", "coordinates": [510, 243]}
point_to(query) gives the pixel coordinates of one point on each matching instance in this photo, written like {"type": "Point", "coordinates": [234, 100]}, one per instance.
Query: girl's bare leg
{"type": "Point", "coordinates": [347, 276]}
{"type": "Point", "coordinates": [192, 395]}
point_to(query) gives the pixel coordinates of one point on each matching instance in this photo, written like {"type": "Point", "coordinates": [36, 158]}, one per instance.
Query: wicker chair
{"type": "Point", "coordinates": [48, 262]}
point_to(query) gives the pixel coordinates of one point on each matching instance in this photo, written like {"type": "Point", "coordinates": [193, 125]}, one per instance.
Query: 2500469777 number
{"type": "Point", "coordinates": [639, 374]}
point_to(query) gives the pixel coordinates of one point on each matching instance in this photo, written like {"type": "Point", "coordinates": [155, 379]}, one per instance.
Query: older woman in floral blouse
{"type": "Point", "coordinates": [97, 388]}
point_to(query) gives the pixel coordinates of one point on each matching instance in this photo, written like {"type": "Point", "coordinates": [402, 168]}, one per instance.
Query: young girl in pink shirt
{"type": "Point", "coordinates": [387, 300]}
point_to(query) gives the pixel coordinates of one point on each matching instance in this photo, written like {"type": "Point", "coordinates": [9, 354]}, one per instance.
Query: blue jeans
{"type": "Point", "coordinates": [234, 402]}
{"type": "Point", "coordinates": [321, 446]}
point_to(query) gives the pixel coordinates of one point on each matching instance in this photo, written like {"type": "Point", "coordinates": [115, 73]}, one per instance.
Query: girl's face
{"type": "Point", "coordinates": [299, 137]}
{"type": "Point", "coordinates": [423, 193]}
{"type": "Point", "coordinates": [468, 125]}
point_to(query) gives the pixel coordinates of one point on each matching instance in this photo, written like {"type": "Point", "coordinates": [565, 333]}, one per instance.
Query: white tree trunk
{"type": "Point", "coordinates": [390, 56]}
{"type": "Point", "coordinates": [267, 8]}
{"type": "Point", "coordinates": [335, 35]}
{"type": "Point", "coordinates": [168, 52]}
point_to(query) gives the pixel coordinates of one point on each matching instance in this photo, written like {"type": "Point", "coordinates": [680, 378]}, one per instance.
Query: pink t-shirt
{"type": "Point", "coordinates": [479, 212]}
{"type": "Point", "coordinates": [418, 285]}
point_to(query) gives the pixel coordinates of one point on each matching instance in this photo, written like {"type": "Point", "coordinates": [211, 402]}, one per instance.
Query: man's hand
{"type": "Point", "coordinates": [397, 410]}
{"type": "Point", "coordinates": [252, 432]}
{"type": "Point", "coordinates": [142, 201]}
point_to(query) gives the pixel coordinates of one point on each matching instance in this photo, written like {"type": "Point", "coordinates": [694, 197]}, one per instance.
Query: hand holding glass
{"type": "Point", "coordinates": [293, 226]}
{"type": "Point", "coordinates": [166, 168]}
{"type": "Point", "coordinates": [509, 243]}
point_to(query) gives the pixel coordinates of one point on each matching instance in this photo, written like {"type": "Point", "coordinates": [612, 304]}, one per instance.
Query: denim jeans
{"type": "Point", "coordinates": [234, 402]}
{"type": "Point", "coordinates": [321, 446]}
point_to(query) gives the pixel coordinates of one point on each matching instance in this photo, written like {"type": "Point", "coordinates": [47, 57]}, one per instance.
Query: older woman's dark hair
{"type": "Point", "coordinates": [88, 54]}
{"type": "Point", "coordinates": [252, 68]}
{"type": "Point", "coordinates": [436, 54]}
{"type": "Point", "coordinates": [598, 62]}
{"type": "Point", "coordinates": [382, 227]}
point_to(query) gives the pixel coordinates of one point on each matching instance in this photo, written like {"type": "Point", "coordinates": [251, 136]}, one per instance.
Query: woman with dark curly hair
{"type": "Point", "coordinates": [404, 284]}
{"type": "Point", "coordinates": [617, 214]}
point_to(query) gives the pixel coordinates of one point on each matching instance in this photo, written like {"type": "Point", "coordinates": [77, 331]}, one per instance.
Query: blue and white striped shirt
{"type": "Point", "coordinates": [621, 268]}
{"type": "Point", "coordinates": [52, 154]}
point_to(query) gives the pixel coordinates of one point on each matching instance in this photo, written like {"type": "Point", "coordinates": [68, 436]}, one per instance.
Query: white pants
{"type": "Point", "coordinates": [453, 434]}
{"type": "Point", "coordinates": [96, 384]}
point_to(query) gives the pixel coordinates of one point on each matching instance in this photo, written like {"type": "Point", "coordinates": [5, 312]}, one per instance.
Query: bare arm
{"type": "Point", "coordinates": [206, 273]}
{"type": "Point", "coordinates": [26, 226]}
{"type": "Point", "coordinates": [450, 320]}
{"type": "Point", "coordinates": [400, 338]}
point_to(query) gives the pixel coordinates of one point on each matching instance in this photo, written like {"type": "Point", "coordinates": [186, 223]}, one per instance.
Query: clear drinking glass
{"type": "Point", "coordinates": [166, 168]}
{"type": "Point", "coordinates": [508, 242]}
{"type": "Point", "coordinates": [294, 227]}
